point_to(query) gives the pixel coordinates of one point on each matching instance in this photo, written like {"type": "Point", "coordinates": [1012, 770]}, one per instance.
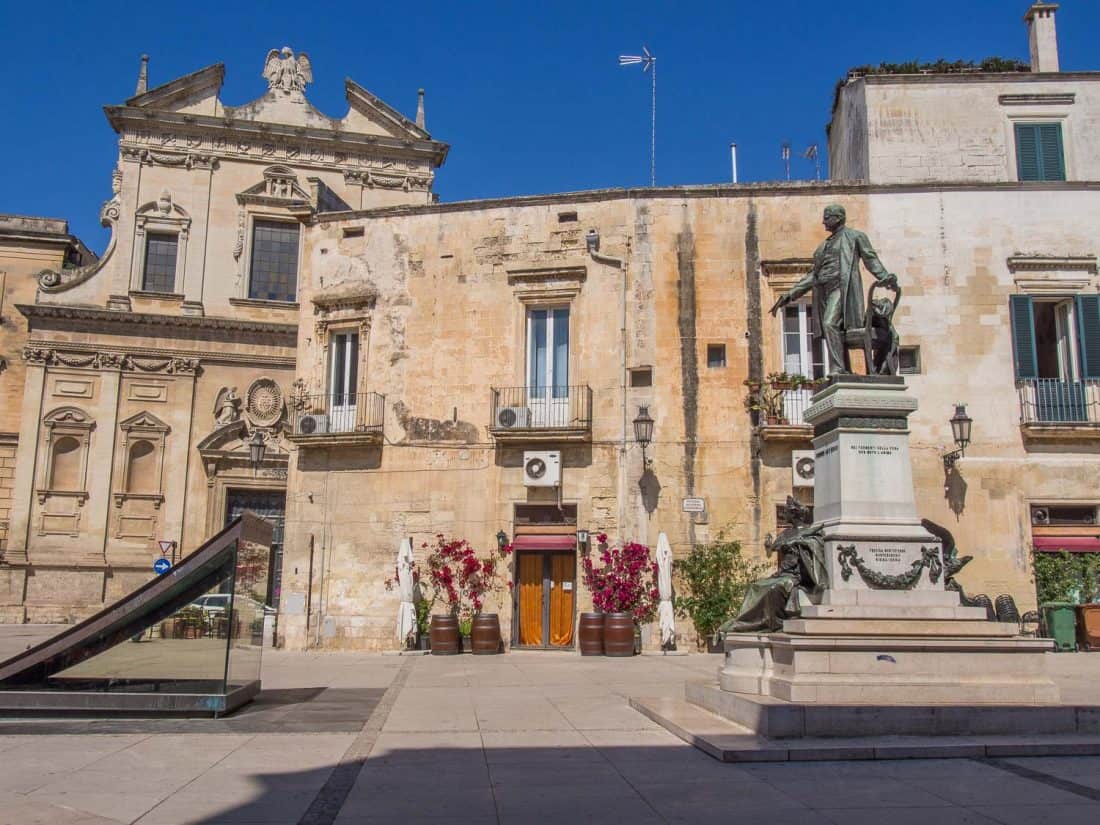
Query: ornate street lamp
{"type": "Point", "coordinates": [257, 446]}
{"type": "Point", "coordinates": [960, 431]}
{"type": "Point", "coordinates": [643, 431]}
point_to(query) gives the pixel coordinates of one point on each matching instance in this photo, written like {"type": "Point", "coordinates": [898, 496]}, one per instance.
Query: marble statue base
{"type": "Point", "coordinates": [885, 632]}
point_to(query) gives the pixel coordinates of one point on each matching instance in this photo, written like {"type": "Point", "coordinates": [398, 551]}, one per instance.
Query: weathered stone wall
{"type": "Point", "coordinates": [923, 128]}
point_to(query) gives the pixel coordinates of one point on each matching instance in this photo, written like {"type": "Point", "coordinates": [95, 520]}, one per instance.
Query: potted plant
{"type": "Point", "coordinates": [463, 582]}
{"type": "Point", "coordinates": [766, 401]}
{"type": "Point", "coordinates": [713, 579]}
{"type": "Point", "coordinates": [624, 588]}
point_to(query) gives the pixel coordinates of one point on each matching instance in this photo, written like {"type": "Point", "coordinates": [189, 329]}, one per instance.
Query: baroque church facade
{"type": "Point", "coordinates": [285, 320]}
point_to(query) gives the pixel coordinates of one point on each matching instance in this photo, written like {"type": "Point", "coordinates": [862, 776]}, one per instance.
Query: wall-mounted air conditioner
{"type": "Point", "coordinates": [313, 424]}
{"type": "Point", "coordinates": [509, 418]}
{"type": "Point", "coordinates": [802, 468]}
{"type": "Point", "coordinates": [542, 468]}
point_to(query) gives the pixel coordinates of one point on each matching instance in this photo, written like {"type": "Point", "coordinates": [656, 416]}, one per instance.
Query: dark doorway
{"type": "Point", "coordinates": [270, 505]}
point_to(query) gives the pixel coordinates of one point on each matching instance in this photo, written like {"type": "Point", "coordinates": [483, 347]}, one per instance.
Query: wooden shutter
{"type": "Point", "coordinates": [1051, 157]}
{"type": "Point", "coordinates": [1027, 152]}
{"type": "Point", "coordinates": [1088, 334]}
{"type": "Point", "coordinates": [1023, 336]}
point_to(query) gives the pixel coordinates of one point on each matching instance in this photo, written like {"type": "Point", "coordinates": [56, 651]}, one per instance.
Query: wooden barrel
{"type": "Point", "coordinates": [618, 634]}
{"type": "Point", "coordinates": [485, 634]}
{"type": "Point", "coordinates": [590, 634]}
{"type": "Point", "coordinates": [444, 635]}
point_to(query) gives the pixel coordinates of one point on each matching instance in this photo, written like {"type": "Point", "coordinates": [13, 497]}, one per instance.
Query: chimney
{"type": "Point", "coordinates": [1042, 38]}
{"type": "Point", "coordinates": [420, 107]}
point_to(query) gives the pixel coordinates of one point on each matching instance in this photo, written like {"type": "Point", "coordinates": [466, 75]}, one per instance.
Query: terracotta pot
{"type": "Point", "coordinates": [485, 634]}
{"type": "Point", "coordinates": [444, 636]}
{"type": "Point", "coordinates": [618, 634]}
{"type": "Point", "coordinates": [590, 634]}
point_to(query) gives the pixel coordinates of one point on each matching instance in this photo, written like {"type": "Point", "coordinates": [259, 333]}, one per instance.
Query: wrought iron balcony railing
{"type": "Point", "coordinates": [1051, 401]}
{"type": "Point", "coordinates": [795, 403]}
{"type": "Point", "coordinates": [534, 410]}
{"type": "Point", "coordinates": [339, 416]}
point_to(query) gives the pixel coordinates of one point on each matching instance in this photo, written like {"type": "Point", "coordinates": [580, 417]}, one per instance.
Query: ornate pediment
{"type": "Point", "coordinates": [374, 110]}
{"type": "Point", "coordinates": [143, 421]}
{"type": "Point", "coordinates": [279, 187]}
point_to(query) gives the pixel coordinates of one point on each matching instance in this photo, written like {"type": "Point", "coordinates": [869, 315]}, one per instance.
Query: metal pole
{"type": "Point", "coordinates": [733, 160]}
{"type": "Point", "coordinates": [653, 131]}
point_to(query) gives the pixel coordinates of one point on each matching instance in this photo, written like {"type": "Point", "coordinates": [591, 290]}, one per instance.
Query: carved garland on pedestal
{"type": "Point", "coordinates": [930, 558]}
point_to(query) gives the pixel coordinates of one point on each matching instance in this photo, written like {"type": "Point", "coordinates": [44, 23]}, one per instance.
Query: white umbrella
{"type": "Point", "coordinates": [665, 614]}
{"type": "Point", "coordinates": [406, 613]}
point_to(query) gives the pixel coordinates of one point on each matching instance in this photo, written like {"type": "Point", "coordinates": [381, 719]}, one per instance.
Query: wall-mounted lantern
{"type": "Point", "coordinates": [960, 431]}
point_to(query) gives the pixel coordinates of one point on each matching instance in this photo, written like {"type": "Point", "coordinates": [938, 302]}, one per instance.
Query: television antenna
{"type": "Point", "coordinates": [648, 62]}
{"type": "Point", "coordinates": [785, 153]}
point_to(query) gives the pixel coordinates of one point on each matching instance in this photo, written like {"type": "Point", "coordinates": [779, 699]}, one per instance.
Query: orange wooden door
{"type": "Point", "coordinates": [563, 574]}
{"type": "Point", "coordinates": [530, 598]}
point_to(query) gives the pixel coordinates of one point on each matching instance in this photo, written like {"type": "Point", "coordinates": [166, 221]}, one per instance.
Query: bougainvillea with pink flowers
{"type": "Point", "coordinates": [625, 580]}
{"type": "Point", "coordinates": [459, 578]}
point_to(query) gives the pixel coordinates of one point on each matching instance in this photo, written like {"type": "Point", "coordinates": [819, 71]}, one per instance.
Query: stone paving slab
{"type": "Point", "coordinates": [519, 738]}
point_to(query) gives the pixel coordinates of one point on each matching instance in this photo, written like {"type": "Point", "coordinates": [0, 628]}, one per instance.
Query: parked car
{"type": "Point", "coordinates": [213, 603]}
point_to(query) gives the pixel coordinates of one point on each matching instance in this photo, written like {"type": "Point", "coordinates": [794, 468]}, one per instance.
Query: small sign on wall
{"type": "Point", "coordinates": [695, 505]}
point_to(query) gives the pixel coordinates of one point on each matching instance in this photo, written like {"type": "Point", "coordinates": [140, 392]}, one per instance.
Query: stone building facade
{"type": "Point", "coordinates": [419, 355]}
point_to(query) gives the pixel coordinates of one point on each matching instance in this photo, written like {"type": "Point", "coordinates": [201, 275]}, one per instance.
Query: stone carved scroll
{"type": "Point", "coordinates": [848, 558]}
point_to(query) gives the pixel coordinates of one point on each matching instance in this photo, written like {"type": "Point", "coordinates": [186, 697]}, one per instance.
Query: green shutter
{"type": "Point", "coordinates": [1050, 151]}
{"type": "Point", "coordinates": [1027, 152]}
{"type": "Point", "coordinates": [1023, 336]}
{"type": "Point", "coordinates": [1088, 334]}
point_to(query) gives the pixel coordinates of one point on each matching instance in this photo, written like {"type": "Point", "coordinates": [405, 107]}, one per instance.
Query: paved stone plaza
{"type": "Point", "coordinates": [524, 737]}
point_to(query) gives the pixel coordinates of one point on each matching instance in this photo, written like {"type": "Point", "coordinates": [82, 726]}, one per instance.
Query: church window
{"type": "Point", "coordinates": [161, 249]}
{"type": "Point", "coordinates": [274, 261]}
{"type": "Point", "coordinates": [1039, 152]}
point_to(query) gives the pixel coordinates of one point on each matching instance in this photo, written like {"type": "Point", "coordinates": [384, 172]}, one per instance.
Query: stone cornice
{"type": "Point", "coordinates": [1052, 263]}
{"type": "Point", "coordinates": [1038, 99]}
{"type": "Point", "coordinates": [207, 357]}
{"type": "Point", "coordinates": [979, 77]}
{"type": "Point", "coordinates": [721, 190]}
{"type": "Point", "coordinates": [193, 130]}
{"type": "Point", "coordinates": [93, 316]}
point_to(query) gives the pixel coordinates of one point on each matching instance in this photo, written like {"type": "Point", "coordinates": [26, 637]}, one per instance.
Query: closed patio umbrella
{"type": "Point", "coordinates": [406, 613]}
{"type": "Point", "coordinates": [665, 615]}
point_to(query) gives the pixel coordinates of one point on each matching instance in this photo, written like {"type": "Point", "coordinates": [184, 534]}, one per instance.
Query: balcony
{"type": "Point", "coordinates": [1056, 410]}
{"type": "Point", "coordinates": [780, 409]}
{"type": "Point", "coordinates": [338, 420]}
{"type": "Point", "coordinates": [541, 414]}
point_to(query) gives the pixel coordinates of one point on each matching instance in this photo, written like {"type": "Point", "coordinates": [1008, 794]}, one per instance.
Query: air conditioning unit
{"type": "Point", "coordinates": [542, 468]}
{"type": "Point", "coordinates": [802, 468]}
{"type": "Point", "coordinates": [314, 424]}
{"type": "Point", "coordinates": [510, 418]}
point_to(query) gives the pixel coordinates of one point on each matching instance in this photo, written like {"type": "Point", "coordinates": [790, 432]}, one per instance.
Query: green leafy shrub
{"type": "Point", "coordinates": [715, 576]}
{"type": "Point", "coordinates": [1067, 577]}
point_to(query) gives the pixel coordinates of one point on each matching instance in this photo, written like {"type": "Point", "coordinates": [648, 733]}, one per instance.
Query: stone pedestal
{"type": "Point", "coordinates": [885, 631]}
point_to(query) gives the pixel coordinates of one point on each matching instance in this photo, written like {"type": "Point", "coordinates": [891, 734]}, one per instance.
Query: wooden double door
{"type": "Point", "coordinates": [546, 592]}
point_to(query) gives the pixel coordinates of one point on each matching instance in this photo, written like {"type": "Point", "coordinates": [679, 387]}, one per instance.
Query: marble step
{"type": "Point", "coordinates": [729, 742]}
{"type": "Point", "coordinates": [835, 626]}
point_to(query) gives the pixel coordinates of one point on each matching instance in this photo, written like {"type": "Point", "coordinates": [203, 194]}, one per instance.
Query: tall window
{"type": "Point", "coordinates": [343, 380]}
{"type": "Point", "coordinates": [548, 352]}
{"type": "Point", "coordinates": [800, 356]}
{"type": "Point", "coordinates": [1039, 154]}
{"type": "Point", "coordinates": [160, 262]}
{"type": "Point", "coordinates": [273, 268]}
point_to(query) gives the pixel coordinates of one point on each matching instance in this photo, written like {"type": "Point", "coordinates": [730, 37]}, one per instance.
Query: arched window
{"type": "Point", "coordinates": [142, 472]}
{"type": "Point", "coordinates": [64, 467]}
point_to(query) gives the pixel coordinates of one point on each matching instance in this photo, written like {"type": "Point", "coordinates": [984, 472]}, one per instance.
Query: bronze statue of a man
{"type": "Point", "coordinates": [838, 298]}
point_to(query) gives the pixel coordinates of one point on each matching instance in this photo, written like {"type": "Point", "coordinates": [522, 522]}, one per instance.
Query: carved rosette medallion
{"type": "Point", "coordinates": [264, 403]}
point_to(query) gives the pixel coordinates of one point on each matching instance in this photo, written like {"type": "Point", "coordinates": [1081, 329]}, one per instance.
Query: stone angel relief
{"type": "Point", "coordinates": [286, 72]}
{"type": "Point", "coordinates": [227, 406]}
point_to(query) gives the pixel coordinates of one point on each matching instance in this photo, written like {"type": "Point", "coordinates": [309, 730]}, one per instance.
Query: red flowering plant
{"type": "Point", "coordinates": [459, 578]}
{"type": "Point", "coordinates": [625, 581]}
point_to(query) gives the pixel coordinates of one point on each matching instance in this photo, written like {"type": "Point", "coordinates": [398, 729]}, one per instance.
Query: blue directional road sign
{"type": "Point", "coordinates": [161, 566]}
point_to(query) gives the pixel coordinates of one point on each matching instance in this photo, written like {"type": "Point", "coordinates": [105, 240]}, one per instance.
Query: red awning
{"type": "Point", "coordinates": [1072, 544]}
{"type": "Point", "coordinates": [544, 543]}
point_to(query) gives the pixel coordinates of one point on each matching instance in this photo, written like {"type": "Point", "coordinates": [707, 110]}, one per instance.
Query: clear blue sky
{"type": "Point", "coordinates": [528, 94]}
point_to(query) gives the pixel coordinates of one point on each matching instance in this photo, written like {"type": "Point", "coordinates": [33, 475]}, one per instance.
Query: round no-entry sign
{"type": "Point", "coordinates": [161, 566]}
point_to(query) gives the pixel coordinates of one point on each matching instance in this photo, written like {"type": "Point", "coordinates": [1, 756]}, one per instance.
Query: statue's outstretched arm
{"type": "Point", "coordinates": [871, 260]}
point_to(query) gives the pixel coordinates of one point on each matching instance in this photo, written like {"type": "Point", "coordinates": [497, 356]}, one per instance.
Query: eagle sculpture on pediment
{"type": "Point", "coordinates": [286, 72]}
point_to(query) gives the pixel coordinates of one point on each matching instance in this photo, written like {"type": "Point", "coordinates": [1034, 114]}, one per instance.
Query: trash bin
{"type": "Point", "coordinates": [1088, 626]}
{"type": "Point", "coordinates": [1060, 620]}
